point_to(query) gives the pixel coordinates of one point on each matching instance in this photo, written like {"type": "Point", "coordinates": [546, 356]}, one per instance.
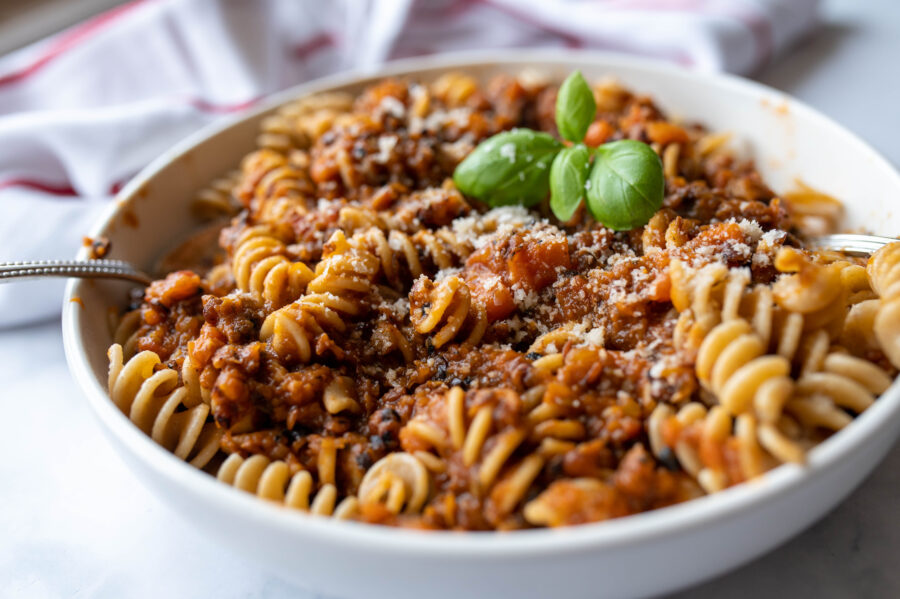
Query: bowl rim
{"type": "Point", "coordinates": [616, 533]}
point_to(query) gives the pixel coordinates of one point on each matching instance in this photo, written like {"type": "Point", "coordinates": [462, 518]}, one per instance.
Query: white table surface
{"type": "Point", "coordinates": [74, 522]}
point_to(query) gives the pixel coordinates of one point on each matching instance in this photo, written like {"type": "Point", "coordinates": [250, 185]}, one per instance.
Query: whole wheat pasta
{"type": "Point", "coordinates": [159, 406]}
{"type": "Point", "coordinates": [372, 344]}
{"type": "Point", "coordinates": [274, 482]}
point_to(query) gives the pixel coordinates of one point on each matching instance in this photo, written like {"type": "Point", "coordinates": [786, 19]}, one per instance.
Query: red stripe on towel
{"type": "Point", "coordinates": [57, 189]}
{"type": "Point", "coordinates": [205, 106]}
{"type": "Point", "coordinates": [315, 44]}
{"type": "Point", "coordinates": [70, 39]}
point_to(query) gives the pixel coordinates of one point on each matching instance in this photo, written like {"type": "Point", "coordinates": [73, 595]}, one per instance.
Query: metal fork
{"type": "Point", "coordinates": [858, 245]}
{"type": "Point", "coordinates": [86, 269]}
{"type": "Point", "coordinates": [850, 243]}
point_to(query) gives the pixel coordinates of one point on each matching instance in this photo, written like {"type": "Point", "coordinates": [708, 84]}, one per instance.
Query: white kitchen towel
{"type": "Point", "coordinates": [84, 110]}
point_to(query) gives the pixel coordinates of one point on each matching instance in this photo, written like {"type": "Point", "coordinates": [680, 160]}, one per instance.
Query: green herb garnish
{"type": "Point", "coordinates": [575, 108]}
{"type": "Point", "coordinates": [509, 168]}
{"type": "Point", "coordinates": [622, 181]}
{"type": "Point", "coordinates": [568, 179]}
{"type": "Point", "coordinates": [626, 184]}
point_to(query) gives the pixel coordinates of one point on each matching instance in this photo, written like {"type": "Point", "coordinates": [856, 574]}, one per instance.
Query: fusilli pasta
{"type": "Point", "coordinates": [372, 344]}
{"type": "Point", "coordinates": [162, 407]}
{"type": "Point", "coordinates": [273, 480]}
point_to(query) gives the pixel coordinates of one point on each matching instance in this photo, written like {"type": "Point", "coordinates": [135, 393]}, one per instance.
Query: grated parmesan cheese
{"type": "Point", "coordinates": [742, 249]}
{"type": "Point", "coordinates": [770, 238]}
{"type": "Point", "coordinates": [595, 337]}
{"type": "Point", "coordinates": [445, 273]}
{"type": "Point", "coordinates": [525, 300]}
{"type": "Point", "coordinates": [508, 151]}
{"type": "Point", "coordinates": [750, 228]}
{"type": "Point", "coordinates": [392, 106]}
{"type": "Point", "coordinates": [761, 260]}
{"type": "Point", "coordinates": [386, 145]}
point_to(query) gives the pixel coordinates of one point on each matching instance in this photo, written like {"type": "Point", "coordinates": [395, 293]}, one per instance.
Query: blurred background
{"type": "Point", "coordinates": [92, 90]}
{"type": "Point", "coordinates": [26, 21]}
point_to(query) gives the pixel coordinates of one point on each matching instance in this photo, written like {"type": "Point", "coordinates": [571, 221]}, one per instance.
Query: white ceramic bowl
{"type": "Point", "coordinates": [638, 555]}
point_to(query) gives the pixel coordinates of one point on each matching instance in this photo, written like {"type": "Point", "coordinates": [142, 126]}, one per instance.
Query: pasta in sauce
{"type": "Point", "coordinates": [377, 346]}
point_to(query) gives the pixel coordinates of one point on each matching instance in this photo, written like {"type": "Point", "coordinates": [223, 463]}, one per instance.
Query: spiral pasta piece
{"type": "Point", "coordinates": [446, 311]}
{"type": "Point", "coordinates": [846, 384]}
{"type": "Point", "coordinates": [299, 123]}
{"type": "Point", "coordinates": [267, 174]}
{"type": "Point", "coordinates": [273, 481]}
{"type": "Point", "coordinates": [280, 133]}
{"type": "Point", "coordinates": [125, 331]}
{"type": "Point", "coordinates": [260, 267]}
{"type": "Point", "coordinates": [732, 363]}
{"type": "Point", "coordinates": [814, 212]}
{"type": "Point", "coordinates": [541, 511]}
{"type": "Point", "coordinates": [718, 449]}
{"type": "Point", "coordinates": [346, 267]}
{"type": "Point", "coordinates": [275, 187]}
{"type": "Point", "coordinates": [858, 334]}
{"type": "Point", "coordinates": [884, 274]}
{"type": "Point", "coordinates": [758, 400]}
{"type": "Point", "coordinates": [338, 396]}
{"type": "Point", "coordinates": [341, 280]}
{"type": "Point", "coordinates": [359, 218]}
{"type": "Point", "coordinates": [161, 407]}
{"type": "Point", "coordinates": [552, 342]}
{"type": "Point", "coordinates": [190, 377]}
{"type": "Point", "coordinates": [716, 294]}
{"type": "Point", "coordinates": [752, 389]}
{"type": "Point", "coordinates": [404, 257]}
{"type": "Point", "coordinates": [850, 382]}
{"type": "Point", "coordinates": [548, 426]}
{"type": "Point", "coordinates": [293, 330]}
{"type": "Point", "coordinates": [399, 480]}
{"type": "Point", "coordinates": [822, 293]}
{"type": "Point", "coordinates": [454, 88]}
{"type": "Point", "coordinates": [883, 270]}
{"type": "Point", "coordinates": [478, 443]}
{"type": "Point", "coordinates": [217, 200]}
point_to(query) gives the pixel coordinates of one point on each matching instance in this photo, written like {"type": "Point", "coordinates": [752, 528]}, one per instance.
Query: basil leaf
{"type": "Point", "coordinates": [626, 184]}
{"type": "Point", "coordinates": [575, 107]}
{"type": "Point", "coordinates": [568, 175]}
{"type": "Point", "coordinates": [512, 167]}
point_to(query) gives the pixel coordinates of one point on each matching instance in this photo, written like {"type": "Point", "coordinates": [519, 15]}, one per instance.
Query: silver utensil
{"type": "Point", "coordinates": [86, 269]}
{"type": "Point", "coordinates": [850, 243]}
{"type": "Point", "coordinates": [858, 245]}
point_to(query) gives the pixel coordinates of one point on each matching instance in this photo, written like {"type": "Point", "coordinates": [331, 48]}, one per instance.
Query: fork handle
{"type": "Point", "coordinates": [85, 269]}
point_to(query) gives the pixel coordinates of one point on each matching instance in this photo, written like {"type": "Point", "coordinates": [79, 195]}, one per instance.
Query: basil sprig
{"type": "Point", "coordinates": [626, 185]}
{"type": "Point", "coordinates": [622, 181]}
{"type": "Point", "coordinates": [509, 168]}
{"type": "Point", "coordinates": [568, 178]}
{"type": "Point", "coordinates": [575, 107]}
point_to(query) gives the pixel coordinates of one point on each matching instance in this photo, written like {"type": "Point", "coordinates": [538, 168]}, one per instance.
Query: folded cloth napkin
{"type": "Point", "coordinates": [84, 110]}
